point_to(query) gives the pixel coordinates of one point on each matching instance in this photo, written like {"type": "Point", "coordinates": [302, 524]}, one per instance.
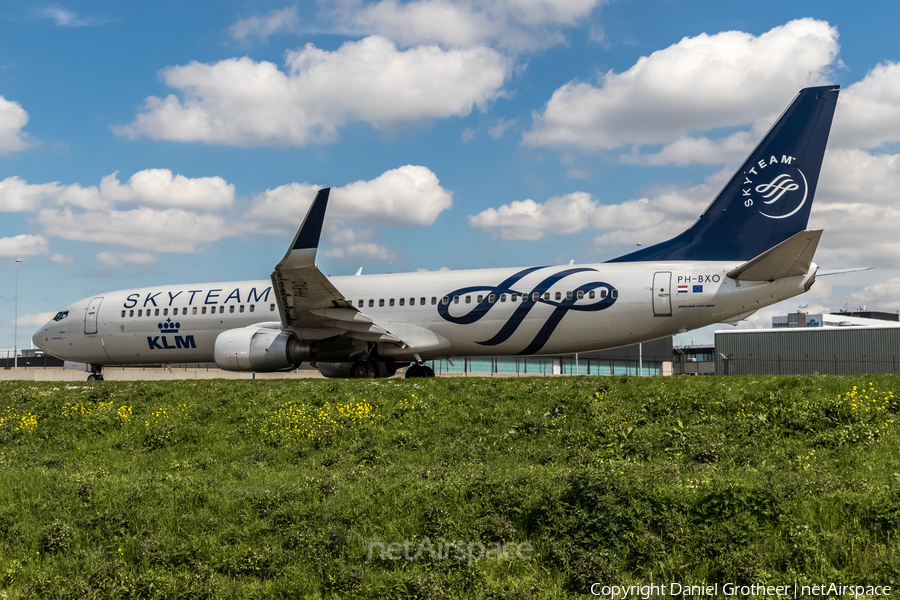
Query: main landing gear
{"type": "Point", "coordinates": [419, 371]}
{"type": "Point", "coordinates": [363, 369]}
{"type": "Point", "coordinates": [96, 374]}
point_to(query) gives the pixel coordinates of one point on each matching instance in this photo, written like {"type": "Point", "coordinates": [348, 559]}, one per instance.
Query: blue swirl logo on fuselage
{"type": "Point", "coordinates": [530, 299]}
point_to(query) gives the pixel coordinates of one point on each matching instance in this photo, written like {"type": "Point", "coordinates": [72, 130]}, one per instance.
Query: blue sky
{"type": "Point", "coordinates": [153, 143]}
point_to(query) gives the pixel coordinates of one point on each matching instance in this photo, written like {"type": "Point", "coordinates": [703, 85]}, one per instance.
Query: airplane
{"type": "Point", "coordinates": [749, 249]}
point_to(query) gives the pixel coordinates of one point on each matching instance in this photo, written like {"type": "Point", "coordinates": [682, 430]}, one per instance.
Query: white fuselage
{"type": "Point", "coordinates": [631, 302]}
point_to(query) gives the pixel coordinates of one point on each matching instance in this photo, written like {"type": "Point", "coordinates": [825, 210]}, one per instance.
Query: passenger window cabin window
{"type": "Point", "coordinates": [479, 299]}
{"type": "Point", "coordinates": [194, 310]}
{"type": "Point", "coordinates": [231, 308]}
{"type": "Point", "coordinates": [546, 295]}
{"type": "Point", "coordinates": [422, 301]}
{"type": "Point", "coordinates": [492, 298]}
{"type": "Point", "coordinates": [381, 302]}
{"type": "Point", "coordinates": [468, 299]}
{"type": "Point", "coordinates": [165, 311]}
{"type": "Point", "coordinates": [569, 295]}
{"type": "Point", "coordinates": [535, 296]}
{"type": "Point", "coordinates": [402, 301]}
{"type": "Point", "coordinates": [580, 294]}
{"type": "Point", "coordinates": [591, 294]}
{"type": "Point", "coordinates": [433, 300]}
{"type": "Point", "coordinates": [514, 297]}
{"type": "Point", "coordinates": [412, 301]}
{"type": "Point", "coordinates": [445, 300]}
{"type": "Point", "coordinates": [559, 295]}
{"type": "Point", "coordinates": [131, 313]}
{"type": "Point", "coordinates": [455, 299]}
{"type": "Point", "coordinates": [252, 307]}
{"type": "Point", "coordinates": [371, 303]}
{"type": "Point", "coordinates": [222, 309]}
{"type": "Point", "coordinates": [502, 297]}
{"type": "Point", "coordinates": [140, 312]}
{"type": "Point", "coordinates": [203, 310]}
{"type": "Point", "coordinates": [123, 314]}
{"type": "Point", "coordinates": [271, 308]}
{"type": "Point", "coordinates": [241, 309]}
{"type": "Point", "coordinates": [157, 312]}
{"type": "Point", "coordinates": [360, 303]}
{"type": "Point", "coordinates": [614, 294]}
{"type": "Point", "coordinates": [391, 302]}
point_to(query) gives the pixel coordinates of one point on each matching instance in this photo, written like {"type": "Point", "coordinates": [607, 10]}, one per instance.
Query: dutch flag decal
{"type": "Point", "coordinates": [682, 289]}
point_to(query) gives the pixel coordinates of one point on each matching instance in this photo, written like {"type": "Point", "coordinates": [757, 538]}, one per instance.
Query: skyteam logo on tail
{"type": "Point", "coordinates": [161, 342]}
{"type": "Point", "coordinates": [774, 188]}
{"type": "Point", "coordinates": [594, 296]}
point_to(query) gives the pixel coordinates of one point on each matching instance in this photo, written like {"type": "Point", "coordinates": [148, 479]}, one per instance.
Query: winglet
{"type": "Point", "coordinates": [302, 252]}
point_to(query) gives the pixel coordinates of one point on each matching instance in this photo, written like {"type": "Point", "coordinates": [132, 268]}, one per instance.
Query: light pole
{"type": "Point", "coordinates": [16, 322]}
{"type": "Point", "coordinates": [640, 345]}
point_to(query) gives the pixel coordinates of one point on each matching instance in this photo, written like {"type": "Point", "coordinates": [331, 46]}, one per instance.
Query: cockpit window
{"type": "Point", "coordinates": [61, 315]}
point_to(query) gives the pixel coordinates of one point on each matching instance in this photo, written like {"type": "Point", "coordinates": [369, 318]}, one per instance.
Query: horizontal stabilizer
{"type": "Point", "coordinates": [790, 258]}
{"type": "Point", "coordinates": [825, 272]}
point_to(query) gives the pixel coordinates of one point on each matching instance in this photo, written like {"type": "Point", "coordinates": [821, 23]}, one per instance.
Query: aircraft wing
{"type": "Point", "coordinates": [310, 304]}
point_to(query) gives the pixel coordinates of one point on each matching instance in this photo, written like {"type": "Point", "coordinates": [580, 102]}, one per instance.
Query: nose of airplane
{"type": "Point", "coordinates": [38, 338]}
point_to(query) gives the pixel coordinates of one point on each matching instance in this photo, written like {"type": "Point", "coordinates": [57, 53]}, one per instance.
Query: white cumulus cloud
{"type": "Point", "coordinates": [644, 220]}
{"type": "Point", "coordinates": [153, 187]}
{"type": "Point", "coordinates": [12, 119]}
{"type": "Point", "coordinates": [242, 102]}
{"type": "Point", "coordinates": [364, 251]}
{"type": "Point", "coordinates": [867, 117]}
{"type": "Point", "coordinates": [856, 204]}
{"type": "Point", "coordinates": [885, 295]}
{"type": "Point", "coordinates": [515, 25]}
{"type": "Point", "coordinates": [408, 196]}
{"type": "Point", "coordinates": [703, 82]}
{"type": "Point", "coordinates": [261, 27]}
{"type": "Point", "coordinates": [23, 245]}
{"type": "Point", "coordinates": [868, 112]}
{"type": "Point", "coordinates": [529, 220]}
{"type": "Point", "coordinates": [169, 230]}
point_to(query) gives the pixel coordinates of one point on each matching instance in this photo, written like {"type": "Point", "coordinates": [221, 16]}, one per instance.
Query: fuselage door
{"type": "Point", "coordinates": [662, 294]}
{"type": "Point", "coordinates": [91, 314]}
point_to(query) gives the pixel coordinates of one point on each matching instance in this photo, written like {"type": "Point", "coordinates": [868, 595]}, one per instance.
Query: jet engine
{"type": "Point", "coordinates": [260, 349]}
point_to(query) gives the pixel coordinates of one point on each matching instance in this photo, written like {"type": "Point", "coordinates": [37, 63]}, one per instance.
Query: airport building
{"type": "Point", "coordinates": [839, 343]}
{"type": "Point", "coordinates": [649, 358]}
{"type": "Point", "coordinates": [857, 318]}
{"type": "Point", "coordinates": [694, 360]}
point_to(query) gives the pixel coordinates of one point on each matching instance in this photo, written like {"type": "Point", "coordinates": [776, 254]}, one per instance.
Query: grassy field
{"type": "Point", "coordinates": [493, 488]}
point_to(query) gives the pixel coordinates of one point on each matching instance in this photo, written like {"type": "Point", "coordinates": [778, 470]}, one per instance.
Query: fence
{"type": "Point", "coordinates": [544, 366]}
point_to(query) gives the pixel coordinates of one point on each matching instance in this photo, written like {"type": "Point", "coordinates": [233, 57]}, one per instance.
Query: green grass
{"type": "Point", "coordinates": [278, 488]}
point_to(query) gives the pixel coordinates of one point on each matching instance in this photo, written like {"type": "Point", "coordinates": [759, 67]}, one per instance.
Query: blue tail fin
{"type": "Point", "coordinates": [768, 199]}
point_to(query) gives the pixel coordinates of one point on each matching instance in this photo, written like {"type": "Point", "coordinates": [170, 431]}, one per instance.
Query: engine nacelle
{"type": "Point", "coordinates": [260, 349]}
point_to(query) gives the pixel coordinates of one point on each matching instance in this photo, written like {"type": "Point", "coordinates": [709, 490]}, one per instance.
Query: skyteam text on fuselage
{"type": "Point", "coordinates": [749, 249]}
